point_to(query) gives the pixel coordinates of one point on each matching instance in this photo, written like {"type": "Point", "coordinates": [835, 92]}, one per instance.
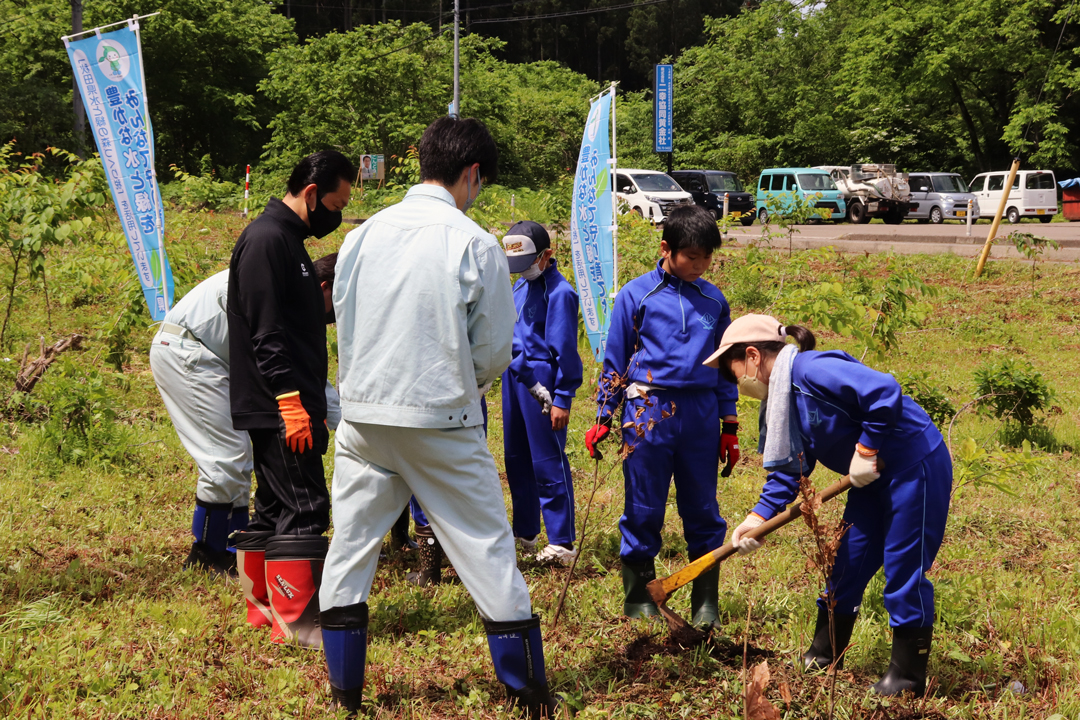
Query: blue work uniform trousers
{"type": "Point", "coordinates": [684, 445]}
{"type": "Point", "coordinates": [537, 469]}
{"type": "Point", "coordinates": [897, 521]}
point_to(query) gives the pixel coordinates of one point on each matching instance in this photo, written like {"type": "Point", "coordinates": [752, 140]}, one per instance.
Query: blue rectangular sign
{"type": "Point", "coordinates": [108, 69]}
{"type": "Point", "coordinates": [591, 224]}
{"type": "Point", "coordinates": [662, 95]}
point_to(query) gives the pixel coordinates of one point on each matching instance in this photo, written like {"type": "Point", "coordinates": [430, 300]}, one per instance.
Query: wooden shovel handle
{"type": "Point", "coordinates": [662, 588]}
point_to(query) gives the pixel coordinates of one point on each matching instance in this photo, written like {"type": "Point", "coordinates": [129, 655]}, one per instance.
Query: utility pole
{"type": "Point", "coordinates": [78, 127]}
{"type": "Point", "coordinates": [457, 58]}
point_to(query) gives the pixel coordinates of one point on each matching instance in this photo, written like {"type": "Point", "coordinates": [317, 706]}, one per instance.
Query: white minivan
{"type": "Point", "coordinates": [649, 193]}
{"type": "Point", "coordinates": [1033, 194]}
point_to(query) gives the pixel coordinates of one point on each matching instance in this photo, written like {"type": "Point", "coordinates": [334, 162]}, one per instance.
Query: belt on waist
{"type": "Point", "coordinates": [177, 330]}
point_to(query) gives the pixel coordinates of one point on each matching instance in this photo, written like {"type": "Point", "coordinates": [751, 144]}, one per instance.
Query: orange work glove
{"type": "Point", "coordinates": [297, 422]}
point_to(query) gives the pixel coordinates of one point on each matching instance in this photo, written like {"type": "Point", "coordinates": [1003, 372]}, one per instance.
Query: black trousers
{"type": "Point", "coordinates": [291, 497]}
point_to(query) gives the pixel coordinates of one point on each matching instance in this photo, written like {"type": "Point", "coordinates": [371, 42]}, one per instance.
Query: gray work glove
{"type": "Point", "coordinates": [542, 396]}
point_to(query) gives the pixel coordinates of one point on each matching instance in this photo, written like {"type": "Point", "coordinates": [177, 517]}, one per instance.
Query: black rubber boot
{"type": "Point", "coordinates": [821, 654]}
{"type": "Point", "coordinates": [203, 557]}
{"type": "Point", "coordinates": [705, 599]}
{"type": "Point", "coordinates": [430, 570]}
{"type": "Point", "coordinates": [636, 600]}
{"type": "Point", "coordinates": [399, 534]}
{"type": "Point", "coordinates": [907, 668]}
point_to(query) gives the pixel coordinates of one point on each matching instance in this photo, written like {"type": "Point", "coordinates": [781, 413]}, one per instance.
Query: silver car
{"type": "Point", "coordinates": [938, 196]}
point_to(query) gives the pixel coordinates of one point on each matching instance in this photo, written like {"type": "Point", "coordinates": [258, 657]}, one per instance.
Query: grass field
{"type": "Point", "coordinates": [98, 621]}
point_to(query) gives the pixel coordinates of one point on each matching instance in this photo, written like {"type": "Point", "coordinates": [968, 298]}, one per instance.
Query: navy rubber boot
{"type": "Point", "coordinates": [238, 522]}
{"type": "Point", "coordinates": [344, 637]}
{"type": "Point", "coordinates": [518, 653]}
{"type": "Point", "coordinates": [211, 527]}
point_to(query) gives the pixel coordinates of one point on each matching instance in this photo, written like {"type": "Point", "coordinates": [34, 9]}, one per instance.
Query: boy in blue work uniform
{"type": "Point", "coordinates": [537, 390]}
{"type": "Point", "coordinates": [664, 325]}
{"type": "Point", "coordinates": [828, 407]}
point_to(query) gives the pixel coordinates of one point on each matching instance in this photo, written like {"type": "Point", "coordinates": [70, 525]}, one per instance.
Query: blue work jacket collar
{"type": "Point", "coordinates": [427, 190]}
{"type": "Point", "coordinates": [663, 276]}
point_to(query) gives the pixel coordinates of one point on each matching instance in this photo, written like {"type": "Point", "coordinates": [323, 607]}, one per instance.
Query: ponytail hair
{"type": "Point", "coordinates": [769, 349]}
{"type": "Point", "coordinates": [802, 336]}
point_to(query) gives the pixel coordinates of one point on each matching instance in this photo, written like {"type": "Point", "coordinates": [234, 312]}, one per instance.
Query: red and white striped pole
{"type": "Point", "coordinates": [247, 189]}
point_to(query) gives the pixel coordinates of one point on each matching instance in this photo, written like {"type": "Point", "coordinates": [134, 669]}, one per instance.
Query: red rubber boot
{"type": "Point", "coordinates": [251, 570]}
{"type": "Point", "coordinates": [294, 565]}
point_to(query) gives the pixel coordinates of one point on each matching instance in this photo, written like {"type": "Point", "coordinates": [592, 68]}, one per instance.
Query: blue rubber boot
{"type": "Point", "coordinates": [238, 522]}
{"type": "Point", "coordinates": [211, 527]}
{"type": "Point", "coordinates": [344, 636]}
{"type": "Point", "coordinates": [518, 653]}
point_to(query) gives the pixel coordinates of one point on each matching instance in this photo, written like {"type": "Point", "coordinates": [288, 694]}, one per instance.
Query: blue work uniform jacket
{"type": "Point", "coordinates": [662, 330]}
{"type": "Point", "coordinates": [546, 333]}
{"type": "Point", "coordinates": [841, 402]}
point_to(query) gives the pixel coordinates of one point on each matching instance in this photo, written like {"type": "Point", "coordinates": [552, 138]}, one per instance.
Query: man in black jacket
{"type": "Point", "coordinates": [277, 344]}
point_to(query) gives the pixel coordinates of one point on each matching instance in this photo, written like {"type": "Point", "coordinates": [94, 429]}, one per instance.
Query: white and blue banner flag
{"type": "Point", "coordinates": [591, 226]}
{"type": "Point", "coordinates": [109, 72]}
{"type": "Point", "coordinates": [663, 141]}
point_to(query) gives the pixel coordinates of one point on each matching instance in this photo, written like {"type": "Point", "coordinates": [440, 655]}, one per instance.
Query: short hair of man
{"type": "Point", "coordinates": [326, 268]}
{"type": "Point", "coordinates": [449, 145]}
{"type": "Point", "coordinates": [691, 227]}
{"type": "Point", "coordinates": [325, 169]}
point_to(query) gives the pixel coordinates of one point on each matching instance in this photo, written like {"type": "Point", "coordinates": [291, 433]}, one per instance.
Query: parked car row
{"type": "Point", "coordinates": [855, 193]}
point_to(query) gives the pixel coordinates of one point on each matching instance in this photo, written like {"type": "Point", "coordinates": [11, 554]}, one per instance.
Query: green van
{"type": "Point", "coordinates": [779, 186]}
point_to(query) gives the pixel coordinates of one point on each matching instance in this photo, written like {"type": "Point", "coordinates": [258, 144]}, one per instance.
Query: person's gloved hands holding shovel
{"type": "Point", "coordinates": [297, 422]}
{"type": "Point", "coordinates": [864, 466]}
{"type": "Point", "coordinates": [744, 544]}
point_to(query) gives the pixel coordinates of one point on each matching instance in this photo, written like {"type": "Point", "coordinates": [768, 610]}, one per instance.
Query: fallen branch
{"type": "Point", "coordinates": [31, 371]}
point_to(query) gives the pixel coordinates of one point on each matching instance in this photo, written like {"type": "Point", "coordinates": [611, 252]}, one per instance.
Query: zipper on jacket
{"type": "Point", "coordinates": [682, 310]}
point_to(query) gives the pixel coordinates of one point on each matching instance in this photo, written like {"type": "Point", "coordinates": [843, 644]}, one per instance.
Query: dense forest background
{"type": "Point", "coordinates": [927, 84]}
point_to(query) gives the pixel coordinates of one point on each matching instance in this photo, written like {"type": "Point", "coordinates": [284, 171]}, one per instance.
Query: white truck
{"type": "Point", "coordinates": [872, 190]}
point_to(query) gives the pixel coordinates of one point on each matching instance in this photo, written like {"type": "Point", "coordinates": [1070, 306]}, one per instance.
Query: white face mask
{"type": "Point", "coordinates": [532, 272]}
{"type": "Point", "coordinates": [469, 197]}
{"type": "Point", "coordinates": [752, 387]}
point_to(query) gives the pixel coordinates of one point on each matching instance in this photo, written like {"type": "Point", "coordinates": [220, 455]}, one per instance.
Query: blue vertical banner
{"type": "Point", "coordinates": [109, 71]}
{"type": "Point", "coordinates": [663, 88]}
{"type": "Point", "coordinates": [591, 225]}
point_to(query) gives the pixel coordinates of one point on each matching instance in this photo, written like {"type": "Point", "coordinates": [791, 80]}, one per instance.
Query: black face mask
{"type": "Point", "coordinates": [322, 220]}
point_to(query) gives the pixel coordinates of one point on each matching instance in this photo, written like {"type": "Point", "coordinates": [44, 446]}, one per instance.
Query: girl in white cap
{"type": "Point", "coordinates": [828, 407]}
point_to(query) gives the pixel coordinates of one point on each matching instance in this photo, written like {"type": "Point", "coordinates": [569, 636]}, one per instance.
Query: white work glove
{"type": "Point", "coordinates": [747, 545]}
{"type": "Point", "coordinates": [542, 396]}
{"type": "Point", "coordinates": [863, 470]}
{"type": "Point", "coordinates": [485, 388]}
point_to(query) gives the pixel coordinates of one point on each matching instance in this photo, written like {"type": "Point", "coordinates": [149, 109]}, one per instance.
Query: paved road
{"type": "Point", "coordinates": [912, 237]}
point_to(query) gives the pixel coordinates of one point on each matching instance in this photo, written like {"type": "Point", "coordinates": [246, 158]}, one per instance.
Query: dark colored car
{"type": "Point", "coordinates": [708, 188]}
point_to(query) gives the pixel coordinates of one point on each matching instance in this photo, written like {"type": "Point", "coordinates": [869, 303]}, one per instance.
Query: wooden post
{"type": "Point", "coordinates": [997, 217]}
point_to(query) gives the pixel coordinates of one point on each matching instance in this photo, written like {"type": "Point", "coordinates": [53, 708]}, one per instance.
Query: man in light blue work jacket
{"type": "Point", "coordinates": [425, 320]}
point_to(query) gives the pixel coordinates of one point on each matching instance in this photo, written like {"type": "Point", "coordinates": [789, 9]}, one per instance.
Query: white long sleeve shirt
{"type": "Point", "coordinates": [425, 315]}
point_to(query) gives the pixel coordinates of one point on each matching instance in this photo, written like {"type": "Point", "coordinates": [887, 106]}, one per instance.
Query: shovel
{"type": "Point", "coordinates": [660, 590]}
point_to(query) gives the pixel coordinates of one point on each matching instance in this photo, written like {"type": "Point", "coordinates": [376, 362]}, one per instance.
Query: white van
{"type": "Point", "coordinates": [1033, 194]}
{"type": "Point", "coordinates": [649, 193]}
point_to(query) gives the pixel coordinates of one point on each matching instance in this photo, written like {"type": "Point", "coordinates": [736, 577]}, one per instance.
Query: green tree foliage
{"type": "Point", "coordinates": [375, 89]}
{"type": "Point", "coordinates": [927, 85]}
{"type": "Point", "coordinates": [204, 59]}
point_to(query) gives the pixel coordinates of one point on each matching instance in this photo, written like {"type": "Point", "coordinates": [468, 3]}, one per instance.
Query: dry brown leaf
{"type": "Point", "coordinates": [785, 692]}
{"type": "Point", "coordinates": [757, 707]}
{"type": "Point", "coordinates": [628, 423]}
{"type": "Point", "coordinates": [648, 376]}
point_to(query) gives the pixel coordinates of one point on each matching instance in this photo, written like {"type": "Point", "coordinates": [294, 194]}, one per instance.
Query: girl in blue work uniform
{"type": "Point", "coordinates": [663, 327]}
{"type": "Point", "coordinates": [828, 407]}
